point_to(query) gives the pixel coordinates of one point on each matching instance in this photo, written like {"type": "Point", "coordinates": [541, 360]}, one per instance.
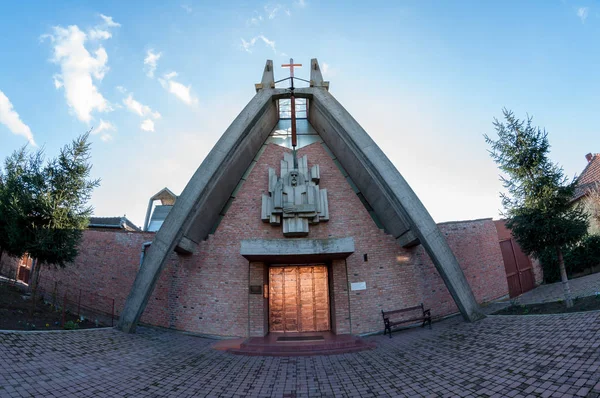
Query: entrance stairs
{"type": "Point", "coordinates": [301, 344]}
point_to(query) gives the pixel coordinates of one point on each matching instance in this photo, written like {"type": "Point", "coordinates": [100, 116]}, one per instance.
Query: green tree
{"type": "Point", "coordinates": [46, 204]}
{"type": "Point", "coordinates": [18, 183]}
{"type": "Point", "coordinates": [537, 204]}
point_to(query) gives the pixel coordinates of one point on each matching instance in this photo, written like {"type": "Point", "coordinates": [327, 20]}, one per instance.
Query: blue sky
{"type": "Point", "coordinates": [161, 81]}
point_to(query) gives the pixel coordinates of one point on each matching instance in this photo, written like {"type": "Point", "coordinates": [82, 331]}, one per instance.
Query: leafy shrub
{"type": "Point", "coordinates": [70, 325]}
{"type": "Point", "coordinates": [578, 258]}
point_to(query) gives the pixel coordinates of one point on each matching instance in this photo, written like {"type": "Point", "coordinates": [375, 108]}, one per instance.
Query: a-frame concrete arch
{"type": "Point", "coordinates": [197, 208]}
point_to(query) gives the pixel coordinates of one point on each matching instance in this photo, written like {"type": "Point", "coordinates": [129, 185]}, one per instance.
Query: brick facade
{"type": "Point", "coordinates": [475, 245]}
{"type": "Point", "coordinates": [208, 292]}
{"type": "Point", "coordinates": [9, 266]}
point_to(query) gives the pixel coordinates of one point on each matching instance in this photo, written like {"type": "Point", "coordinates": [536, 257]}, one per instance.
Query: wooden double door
{"type": "Point", "coordinates": [298, 298]}
{"type": "Point", "coordinates": [519, 271]}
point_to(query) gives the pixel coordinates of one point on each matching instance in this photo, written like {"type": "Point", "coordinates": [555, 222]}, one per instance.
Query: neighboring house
{"type": "Point", "coordinates": [112, 223]}
{"type": "Point", "coordinates": [588, 190]}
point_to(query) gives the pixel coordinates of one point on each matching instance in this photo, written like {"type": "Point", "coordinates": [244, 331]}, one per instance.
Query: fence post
{"type": "Point", "coordinates": [79, 304]}
{"type": "Point", "coordinates": [63, 310]}
{"type": "Point", "coordinates": [112, 315]}
{"type": "Point", "coordinates": [54, 294]}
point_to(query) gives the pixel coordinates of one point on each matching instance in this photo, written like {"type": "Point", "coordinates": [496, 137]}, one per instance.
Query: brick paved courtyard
{"type": "Point", "coordinates": [580, 287]}
{"type": "Point", "coordinates": [551, 355]}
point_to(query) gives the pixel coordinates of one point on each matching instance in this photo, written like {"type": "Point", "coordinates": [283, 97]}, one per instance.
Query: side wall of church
{"type": "Point", "coordinates": [475, 245]}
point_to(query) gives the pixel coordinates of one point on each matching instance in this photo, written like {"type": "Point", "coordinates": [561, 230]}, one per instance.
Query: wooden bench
{"type": "Point", "coordinates": [425, 317]}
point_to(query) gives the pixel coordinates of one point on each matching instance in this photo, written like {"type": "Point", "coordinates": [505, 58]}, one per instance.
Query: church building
{"type": "Point", "coordinates": [295, 222]}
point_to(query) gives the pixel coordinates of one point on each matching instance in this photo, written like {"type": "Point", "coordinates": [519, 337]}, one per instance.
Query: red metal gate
{"type": "Point", "coordinates": [519, 271]}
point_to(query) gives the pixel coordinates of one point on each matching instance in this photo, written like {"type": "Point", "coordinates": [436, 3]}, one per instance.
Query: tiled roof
{"type": "Point", "coordinates": [589, 178]}
{"type": "Point", "coordinates": [112, 222]}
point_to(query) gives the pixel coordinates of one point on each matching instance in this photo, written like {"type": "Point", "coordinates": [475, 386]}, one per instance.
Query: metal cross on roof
{"type": "Point", "coordinates": [291, 65]}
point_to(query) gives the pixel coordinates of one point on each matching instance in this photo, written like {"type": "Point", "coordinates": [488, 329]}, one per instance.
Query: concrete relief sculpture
{"type": "Point", "coordinates": [295, 197]}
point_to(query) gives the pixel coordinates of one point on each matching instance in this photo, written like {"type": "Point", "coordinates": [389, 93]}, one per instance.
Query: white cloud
{"type": "Point", "coordinates": [11, 119]}
{"type": "Point", "coordinates": [187, 8]}
{"type": "Point", "coordinates": [268, 42]}
{"type": "Point", "coordinates": [139, 109]}
{"type": "Point", "coordinates": [288, 12]}
{"type": "Point", "coordinates": [255, 20]}
{"type": "Point", "coordinates": [108, 21]}
{"type": "Point", "coordinates": [582, 13]}
{"type": "Point", "coordinates": [79, 68]}
{"type": "Point", "coordinates": [57, 81]}
{"type": "Point", "coordinates": [121, 89]}
{"type": "Point", "coordinates": [325, 68]}
{"type": "Point", "coordinates": [103, 128]}
{"type": "Point", "coordinates": [170, 75]}
{"type": "Point", "coordinates": [272, 11]}
{"type": "Point", "coordinates": [99, 34]}
{"type": "Point", "coordinates": [150, 61]}
{"type": "Point", "coordinates": [178, 89]}
{"type": "Point", "coordinates": [247, 45]}
{"type": "Point", "coordinates": [300, 3]}
{"type": "Point", "coordinates": [147, 125]}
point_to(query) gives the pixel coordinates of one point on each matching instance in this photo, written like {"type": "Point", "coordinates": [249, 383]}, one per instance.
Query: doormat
{"type": "Point", "coordinates": [300, 338]}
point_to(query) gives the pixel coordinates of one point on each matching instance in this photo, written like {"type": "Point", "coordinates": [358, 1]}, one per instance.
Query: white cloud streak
{"type": "Point", "coordinates": [108, 21]}
{"type": "Point", "coordinates": [151, 61]}
{"type": "Point", "coordinates": [268, 42]}
{"type": "Point", "coordinates": [181, 91]}
{"type": "Point", "coordinates": [582, 13]}
{"type": "Point", "coordinates": [248, 45]}
{"type": "Point", "coordinates": [139, 109]}
{"type": "Point", "coordinates": [11, 119]}
{"type": "Point", "coordinates": [187, 8]}
{"type": "Point", "coordinates": [103, 129]}
{"type": "Point", "coordinates": [99, 34]}
{"type": "Point", "coordinates": [272, 11]}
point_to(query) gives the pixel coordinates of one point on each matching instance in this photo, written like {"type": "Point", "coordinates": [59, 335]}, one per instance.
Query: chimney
{"type": "Point", "coordinates": [589, 157]}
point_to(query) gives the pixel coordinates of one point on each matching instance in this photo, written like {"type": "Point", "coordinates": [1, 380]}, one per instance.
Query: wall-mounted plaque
{"type": "Point", "coordinates": [358, 286]}
{"type": "Point", "coordinates": [256, 289]}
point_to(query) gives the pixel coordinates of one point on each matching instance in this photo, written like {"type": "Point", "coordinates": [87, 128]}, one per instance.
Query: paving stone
{"type": "Point", "coordinates": [546, 355]}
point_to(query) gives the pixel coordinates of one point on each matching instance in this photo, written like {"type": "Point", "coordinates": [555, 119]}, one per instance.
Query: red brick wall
{"type": "Point", "coordinates": [475, 245]}
{"type": "Point", "coordinates": [207, 292]}
{"type": "Point", "coordinates": [104, 270]}
{"type": "Point", "coordinates": [8, 266]}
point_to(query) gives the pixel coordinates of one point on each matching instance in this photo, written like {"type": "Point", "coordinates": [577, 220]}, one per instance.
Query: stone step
{"type": "Point", "coordinates": [257, 346]}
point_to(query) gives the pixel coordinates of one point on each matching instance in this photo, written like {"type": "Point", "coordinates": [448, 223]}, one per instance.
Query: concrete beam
{"type": "Point", "coordinates": [408, 239]}
{"type": "Point", "coordinates": [299, 251]}
{"type": "Point", "coordinates": [197, 208]}
{"type": "Point", "coordinates": [316, 77]}
{"type": "Point", "coordinates": [186, 246]}
{"type": "Point", "coordinates": [387, 191]}
{"type": "Point", "coordinates": [268, 77]}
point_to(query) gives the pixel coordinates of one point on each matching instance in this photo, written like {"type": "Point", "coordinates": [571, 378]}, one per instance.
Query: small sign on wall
{"type": "Point", "coordinates": [256, 289]}
{"type": "Point", "coordinates": [358, 286]}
